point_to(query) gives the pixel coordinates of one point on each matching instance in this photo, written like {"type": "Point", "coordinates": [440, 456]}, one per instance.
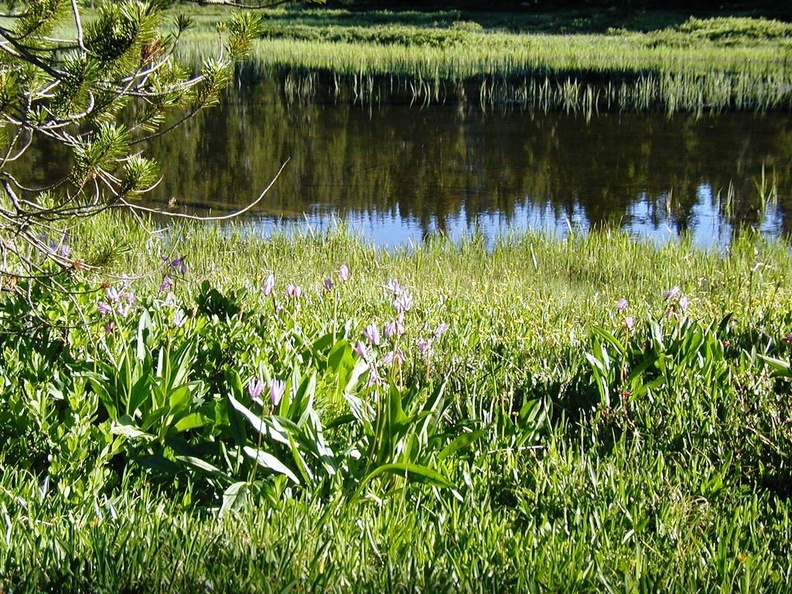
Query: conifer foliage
{"type": "Point", "coordinates": [97, 86]}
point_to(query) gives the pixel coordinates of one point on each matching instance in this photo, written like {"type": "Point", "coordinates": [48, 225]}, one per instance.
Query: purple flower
{"type": "Point", "coordinates": [403, 303]}
{"type": "Point", "coordinates": [276, 391]}
{"type": "Point", "coordinates": [394, 357]}
{"type": "Point", "coordinates": [328, 284]}
{"type": "Point", "coordinates": [170, 300]}
{"type": "Point", "coordinates": [109, 327]}
{"type": "Point", "coordinates": [294, 291]}
{"type": "Point", "coordinates": [123, 309]}
{"type": "Point", "coordinates": [129, 296]}
{"type": "Point", "coordinates": [671, 293]}
{"type": "Point", "coordinates": [179, 318]}
{"type": "Point", "coordinates": [104, 308]}
{"type": "Point", "coordinates": [440, 330]}
{"type": "Point", "coordinates": [394, 287]}
{"type": "Point", "coordinates": [167, 283]}
{"type": "Point", "coordinates": [343, 272]}
{"type": "Point", "coordinates": [179, 265]}
{"type": "Point", "coordinates": [361, 349]}
{"type": "Point", "coordinates": [629, 321]}
{"type": "Point", "coordinates": [683, 303]}
{"type": "Point", "coordinates": [424, 347]}
{"type": "Point", "coordinates": [395, 328]}
{"type": "Point", "coordinates": [64, 250]}
{"type": "Point", "coordinates": [788, 338]}
{"type": "Point", "coordinates": [372, 334]}
{"type": "Point", "coordinates": [255, 388]}
{"type": "Point", "coordinates": [621, 304]}
{"type": "Point", "coordinates": [374, 377]}
{"type": "Point", "coordinates": [269, 284]}
{"type": "Point", "coordinates": [112, 294]}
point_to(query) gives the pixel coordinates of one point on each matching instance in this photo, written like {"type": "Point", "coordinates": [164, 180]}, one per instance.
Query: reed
{"type": "Point", "coordinates": [701, 65]}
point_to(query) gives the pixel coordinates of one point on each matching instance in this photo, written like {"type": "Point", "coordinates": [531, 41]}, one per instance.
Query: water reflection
{"type": "Point", "coordinates": [398, 173]}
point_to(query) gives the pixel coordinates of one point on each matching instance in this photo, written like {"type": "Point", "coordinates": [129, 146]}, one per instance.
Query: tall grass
{"type": "Point", "coordinates": [703, 64]}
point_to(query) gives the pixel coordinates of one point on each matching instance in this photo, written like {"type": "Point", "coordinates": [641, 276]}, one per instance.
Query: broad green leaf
{"type": "Point", "coordinates": [235, 497]}
{"type": "Point", "coordinates": [191, 421]}
{"type": "Point", "coordinates": [201, 465]}
{"type": "Point", "coordinates": [270, 462]}
{"type": "Point", "coordinates": [780, 367]}
{"type": "Point", "coordinates": [414, 472]}
{"type": "Point", "coordinates": [460, 443]}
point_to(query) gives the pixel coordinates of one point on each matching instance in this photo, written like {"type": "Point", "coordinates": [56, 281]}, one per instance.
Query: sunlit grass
{"type": "Point", "coordinates": [679, 488]}
{"type": "Point", "coordinates": [703, 64]}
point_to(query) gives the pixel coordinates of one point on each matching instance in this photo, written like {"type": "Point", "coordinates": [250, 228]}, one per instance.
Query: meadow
{"type": "Point", "coordinates": [639, 62]}
{"type": "Point", "coordinates": [192, 407]}
{"type": "Point", "coordinates": [218, 412]}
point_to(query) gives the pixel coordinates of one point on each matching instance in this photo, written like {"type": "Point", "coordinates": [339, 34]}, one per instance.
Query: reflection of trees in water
{"type": "Point", "coordinates": [430, 165]}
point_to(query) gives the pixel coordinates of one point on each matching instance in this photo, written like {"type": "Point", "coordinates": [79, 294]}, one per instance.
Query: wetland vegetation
{"type": "Point", "coordinates": [192, 406]}
{"type": "Point", "coordinates": [635, 63]}
{"type": "Point", "coordinates": [572, 414]}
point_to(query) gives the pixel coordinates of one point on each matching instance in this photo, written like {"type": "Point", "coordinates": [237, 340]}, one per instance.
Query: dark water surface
{"type": "Point", "coordinates": [397, 173]}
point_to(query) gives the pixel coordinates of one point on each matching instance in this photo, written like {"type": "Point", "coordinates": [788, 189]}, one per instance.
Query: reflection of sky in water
{"type": "Point", "coordinates": [708, 228]}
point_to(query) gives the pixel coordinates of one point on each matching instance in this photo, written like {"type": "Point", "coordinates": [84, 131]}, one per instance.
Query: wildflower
{"type": "Point", "coordinates": [343, 272]}
{"type": "Point", "coordinates": [440, 330]}
{"type": "Point", "coordinates": [112, 294]}
{"type": "Point", "coordinates": [374, 377]}
{"type": "Point", "coordinates": [104, 308]}
{"type": "Point", "coordinates": [372, 334]}
{"type": "Point", "coordinates": [294, 291]}
{"type": "Point", "coordinates": [394, 287]}
{"type": "Point", "coordinates": [683, 303]}
{"type": "Point", "coordinates": [129, 296]}
{"type": "Point", "coordinates": [109, 327]}
{"type": "Point", "coordinates": [170, 300]}
{"type": "Point", "coordinates": [671, 293]}
{"type": "Point", "coordinates": [278, 308]}
{"type": "Point", "coordinates": [269, 284]}
{"type": "Point", "coordinates": [166, 284]}
{"type": "Point", "coordinates": [255, 388]}
{"type": "Point", "coordinates": [179, 265]}
{"type": "Point", "coordinates": [403, 303]}
{"type": "Point", "coordinates": [395, 328]}
{"type": "Point", "coordinates": [394, 357]}
{"type": "Point", "coordinates": [361, 349]}
{"type": "Point", "coordinates": [179, 318]}
{"type": "Point", "coordinates": [621, 304]}
{"type": "Point", "coordinates": [276, 391]}
{"type": "Point", "coordinates": [629, 321]}
{"type": "Point", "coordinates": [424, 347]}
{"type": "Point", "coordinates": [328, 284]}
{"type": "Point", "coordinates": [64, 250]}
{"type": "Point", "coordinates": [788, 338]}
{"type": "Point", "coordinates": [123, 309]}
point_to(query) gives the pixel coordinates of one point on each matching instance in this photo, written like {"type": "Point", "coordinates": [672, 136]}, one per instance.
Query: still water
{"type": "Point", "coordinates": [399, 173]}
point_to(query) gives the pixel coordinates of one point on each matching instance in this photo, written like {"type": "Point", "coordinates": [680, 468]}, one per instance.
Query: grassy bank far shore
{"type": "Point", "coordinates": [564, 414]}
{"type": "Point", "coordinates": [574, 61]}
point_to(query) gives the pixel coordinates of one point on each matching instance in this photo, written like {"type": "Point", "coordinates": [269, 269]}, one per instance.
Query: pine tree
{"type": "Point", "coordinates": [100, 90]}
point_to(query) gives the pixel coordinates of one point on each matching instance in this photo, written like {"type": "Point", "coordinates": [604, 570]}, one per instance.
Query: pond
{"type": "Point", "coordinates": [398, 173]}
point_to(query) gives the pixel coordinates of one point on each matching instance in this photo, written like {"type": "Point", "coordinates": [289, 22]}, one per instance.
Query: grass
{"type": "Point", "coordinates": [674, 485]}
{"type": "Point", "coordinates": [697, 64]}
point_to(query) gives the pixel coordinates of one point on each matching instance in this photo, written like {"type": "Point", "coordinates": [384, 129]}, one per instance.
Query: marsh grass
{"type": "Point", "coordinates": [698, 65]}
